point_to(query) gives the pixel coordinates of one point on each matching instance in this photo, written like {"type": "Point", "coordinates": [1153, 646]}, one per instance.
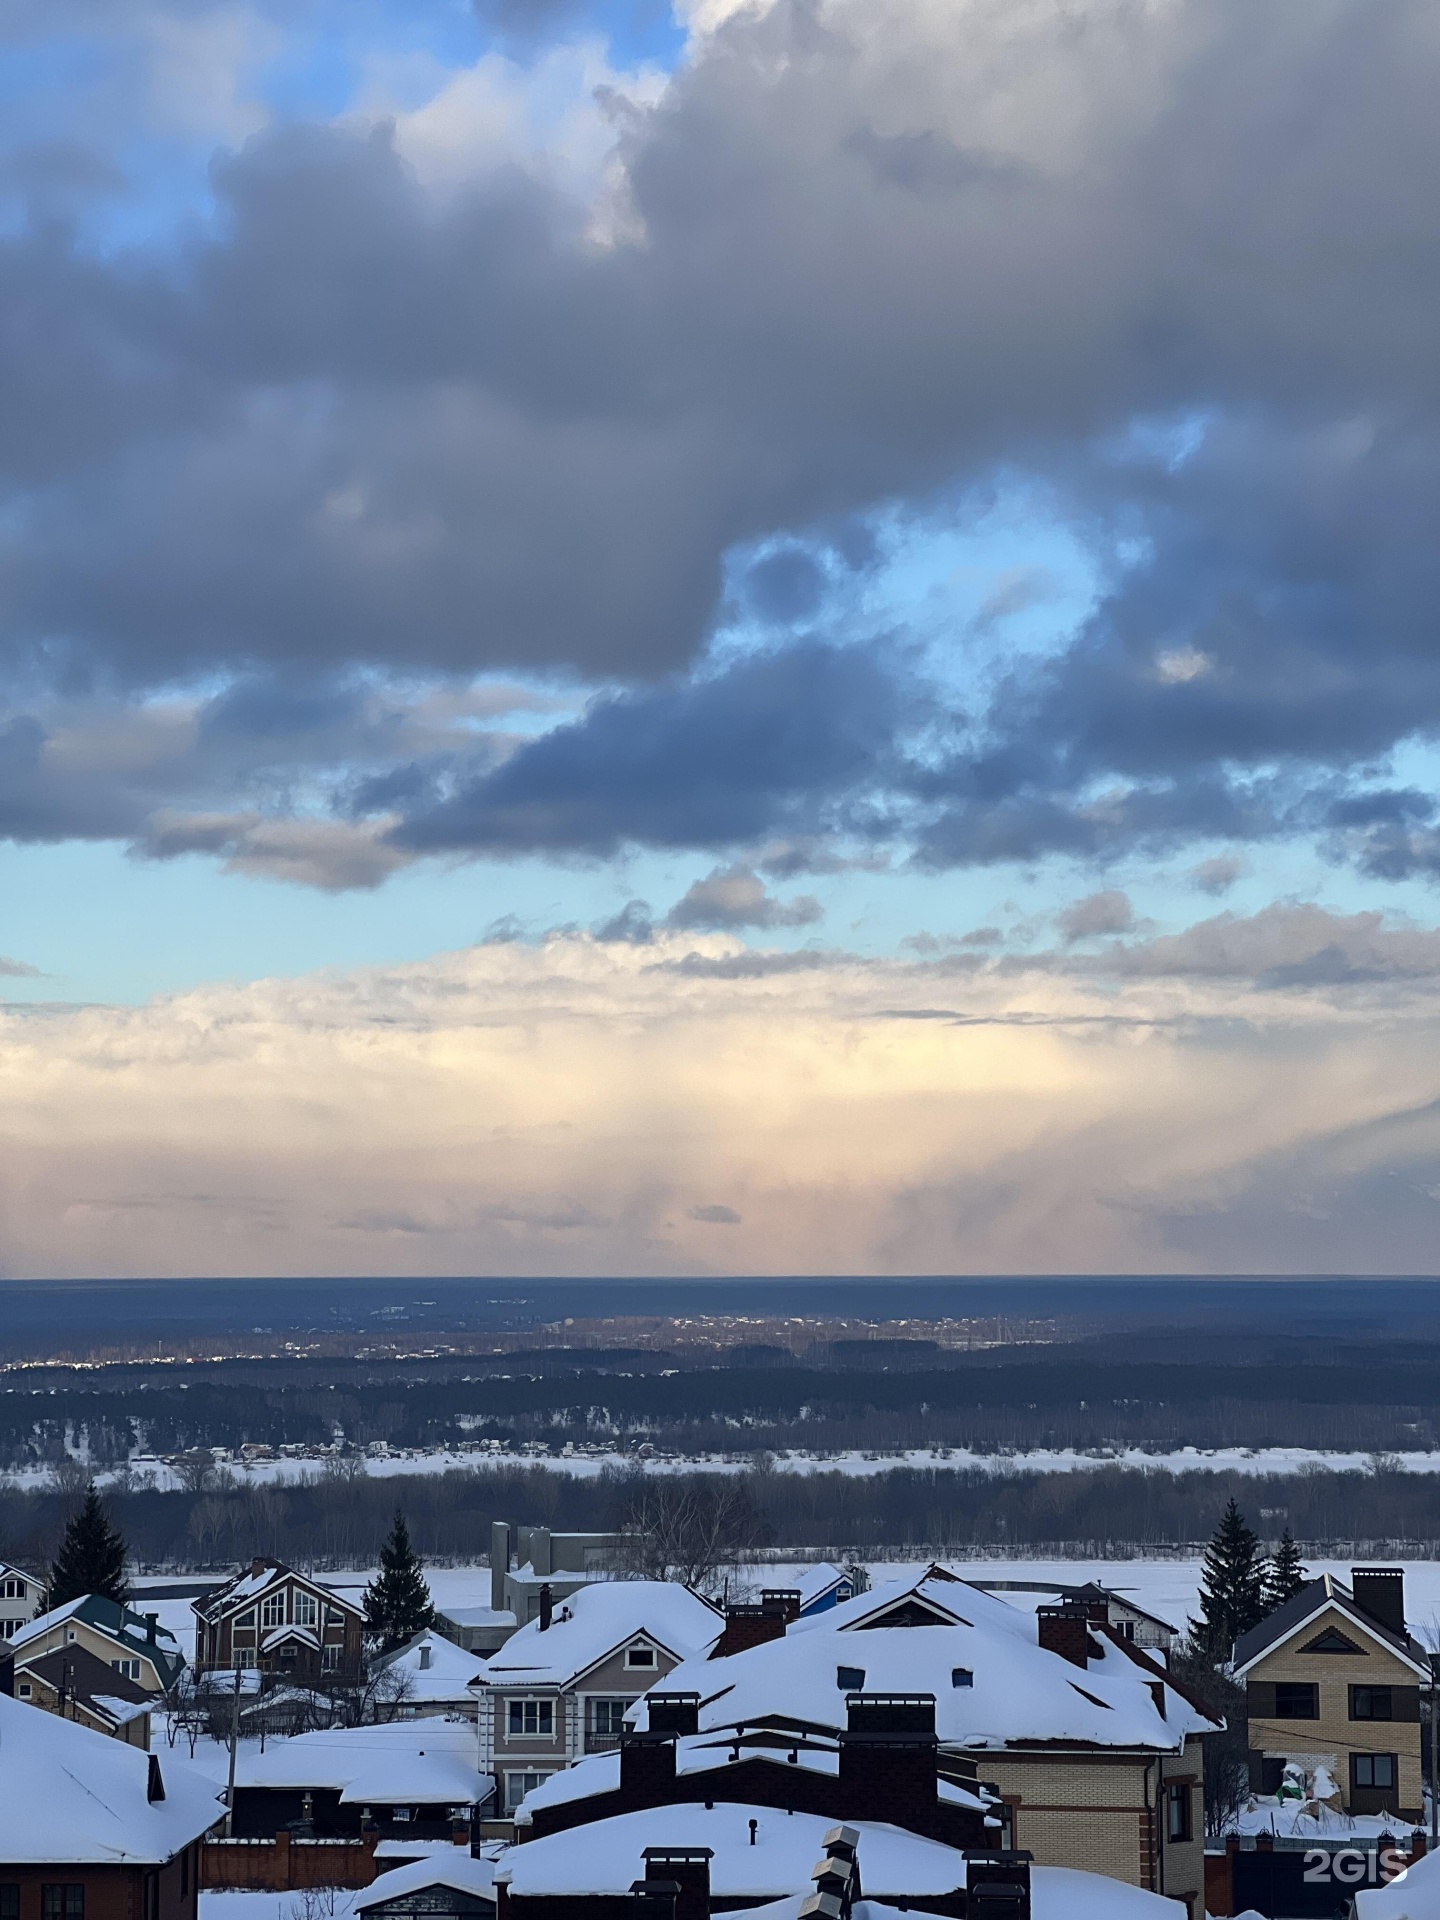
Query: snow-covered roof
{"type": "Point", "coordinates": [477, 1616]}
{"type": "Point", "coordinates": [129, 1630]}
{"type": "Point", "coordinates": [93, 1682]}
{"type": "Point", "coordinates": [1056, 1893]}
{"type": "Point", "coordinates": [1412, 1895]}
{"type": "Point", "coordinates": [68, 1795]}
{"type": "Point", "coordinates": [932, 1589]}
{"type": "Point", "coordinates": [994, 1685]}
{"type": "Point", "coordinates": [596, 1622]}
{"type": "Point", "coordinates": [606, 1856]}
{"type": "Point", "coordinates": [708, 1755]}
{"type": "Point", "coordinates": [253, 1581]}
{"type": "Point", "coordinates": [448, 1867]}
{"type": "Point", "coordinates": [410, 1762]}
{"type": "Point", "coordinates": [434, 1668]}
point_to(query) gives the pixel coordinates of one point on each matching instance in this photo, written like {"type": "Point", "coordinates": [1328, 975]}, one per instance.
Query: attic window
{"type": "Point", "coordinates": [961, 1677]}
{"type": "Point", "coordinates": [850, 1679]}
{"type": "Point", "coordinates": [1332, 1641]}
{"type": "Point", "coordinates": [640, 1656]}
{"type": "Point", "coordinates": [23, 1689]}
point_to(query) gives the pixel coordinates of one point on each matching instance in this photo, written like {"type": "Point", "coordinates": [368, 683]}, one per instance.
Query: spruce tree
{"type": "Point", "coordinates": [397, 1600]}
{"type": "Point", "coordinates": [91, 1557]}
{"type": "Point", "coordinates": [1231, 1597]}
{"type": "Point", "coordinates": [1284, 1574]}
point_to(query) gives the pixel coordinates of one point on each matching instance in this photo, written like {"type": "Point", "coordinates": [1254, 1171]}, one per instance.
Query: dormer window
{"type": "Point", "coordinates": [640, 1656]}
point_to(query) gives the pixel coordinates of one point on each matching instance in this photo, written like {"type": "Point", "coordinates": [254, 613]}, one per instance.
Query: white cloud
{"type": "Point", "coordinates": [578, 1107]}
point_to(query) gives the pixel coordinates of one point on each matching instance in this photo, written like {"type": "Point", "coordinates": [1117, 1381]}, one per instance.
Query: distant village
{"type": "Point", "coordinates": [576, 1741]}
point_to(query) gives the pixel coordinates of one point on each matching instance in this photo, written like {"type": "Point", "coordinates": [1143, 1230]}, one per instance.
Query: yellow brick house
{"type": "Point", "coordinates": [1333, 1679]}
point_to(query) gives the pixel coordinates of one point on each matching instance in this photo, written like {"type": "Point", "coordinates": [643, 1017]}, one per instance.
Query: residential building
{"type": "Point", "coordinates": [561, 1687]}
{"type": "Point", "coordinates": [1332, 1682]}
{"type": "Point", "coordinates": [430, 1677]}
{"type": "Point", "coordinates": [278, 1620]}
{"type": "Point", "coordinates": [94, 1829]}
{"type": "Point", "coordinates": [445, 1885]}
{"type": "Point", "coordinates": [412, 1781]}
{"type": "Point", "coordinates": [134, 1645]}
{"type": "Point", "coordinates": [73, 1683]}
{"type": "Point", "coordinates": [22, 1597]}
{"type": "Point", "coordinates": [1085, 1748]}
{"type": "Point", "coordinates": [1116, 1609]}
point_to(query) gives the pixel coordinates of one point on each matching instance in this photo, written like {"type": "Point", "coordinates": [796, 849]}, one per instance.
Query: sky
{"type": "Point", "coordinates": [740, 636]}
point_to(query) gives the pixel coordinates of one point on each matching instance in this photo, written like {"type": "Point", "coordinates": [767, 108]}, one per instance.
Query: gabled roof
{"type": "Point", "coordinates": [447, 1673]}
{"type": "Point", "coordinates": [931, 1596]}
{"type": "Point", "coordinates": [452, 1868]}
{"type": "Point", "coordinates": [69, 1795]}
{"type": "Point", "coordinates": [408, 1762]}
{"type": "Point", "coordinates": [256, 1579]}
{"type": "Point", "coordinates": [128, 1630]}
{"type": "Point", "coordinates": [90, 1680]}
{"type": "Point", "coordinates": [597, 1622]}
{"type": "Point", "coordinates": [1306, 1606]}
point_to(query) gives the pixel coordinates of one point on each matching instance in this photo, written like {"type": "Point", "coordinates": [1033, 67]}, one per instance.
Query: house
{"type": "Point", "coordinates": [94, 1829]}
{"type": "Point", "coordinates": [73, 1683]}
{"type": "Point", "coordinates": [449, 1885]}
{"type": "Point", "coordinates": [413, 1782]}
{"type": "Point", "coordinates": [694, 1861]}
{"type": "Point", "coordinates": [134, 1645]}
{"type": "Point", "coordinates": [561, 1687]}
{"type": "Point", "coordinates": [823, 1586]}
{"type": "Point", "coordinates": [280, 1621]}
{"type": "Point", "coordinates": [22, 1596]}
{"type": "Point", "coordinates": [1115, 1609]}
{"type": "Point", "coordinates": [1332, 1681]}
{"type": "Point", "coordinates": [1091, 1751]}
{"type": "Point", "coordinates": [430, 1677]}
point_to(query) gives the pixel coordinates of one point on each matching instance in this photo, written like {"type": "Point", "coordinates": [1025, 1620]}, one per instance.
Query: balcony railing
{"type": "Point", "coordinates": [602, 1743]}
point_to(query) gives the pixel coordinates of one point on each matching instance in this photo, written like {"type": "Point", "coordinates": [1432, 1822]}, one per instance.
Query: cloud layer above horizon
{"type": "Point", "coordinates": [1256, 1094]}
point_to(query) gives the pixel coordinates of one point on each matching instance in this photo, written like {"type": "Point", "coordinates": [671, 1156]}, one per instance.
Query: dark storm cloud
{"type": "Point", "coordinates": [777, 738]}
{"type": "Point", "coordinates": [358, 421]}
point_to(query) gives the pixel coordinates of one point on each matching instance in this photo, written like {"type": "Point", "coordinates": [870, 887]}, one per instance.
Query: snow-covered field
{"type": "Point", "coordinates": [1255, 1462]}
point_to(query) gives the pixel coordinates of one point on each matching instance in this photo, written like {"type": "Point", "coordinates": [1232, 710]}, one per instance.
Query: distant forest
{"type": "Point", "coordinates": [905, 1394]}
{"type": "Point", "coordinates": [340, 1518]}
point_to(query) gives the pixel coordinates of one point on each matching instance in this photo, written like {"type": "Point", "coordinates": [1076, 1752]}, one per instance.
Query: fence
{"type": "Point", "coordinates": [286, 1864]}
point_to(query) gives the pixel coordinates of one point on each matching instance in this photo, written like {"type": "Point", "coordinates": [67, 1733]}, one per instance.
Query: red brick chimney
{"type": "Point", "coordinates": [1065, 1630]}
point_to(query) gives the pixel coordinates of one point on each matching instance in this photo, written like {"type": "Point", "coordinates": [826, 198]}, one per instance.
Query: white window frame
{"type": "Point", "coordinates": [641, 1657]}
{"type": "Point", "coordinates": [518, 1704]}
{"type": "Point", "coordinates": [536, 1777]}
{"type": "Point", "coordinates": [306, 1609]}
{"type": "Point", "coordinates": [272, 1611]}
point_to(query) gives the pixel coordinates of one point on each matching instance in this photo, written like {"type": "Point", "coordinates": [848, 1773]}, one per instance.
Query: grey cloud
{"type": "Point", "coordinates": [333, 855]}
{"type": "Point", "coordinates": [731, 898]}
{"type": "Point", "coordinates": [18, 970]}
{"type": "Point", "coordinates": [1097, 913]}
{"type": "Point", "coordinates": [1286, 946]}
{"type": "Point", "coordinates": [1218, 874]}
{"type": "Point", "coordinates": [632, 925]}
{"type": "Point", "coordinates": [716, 1216]}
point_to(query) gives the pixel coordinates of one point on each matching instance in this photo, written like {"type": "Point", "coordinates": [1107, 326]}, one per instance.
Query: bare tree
{"type": "Point", "coordinates": [688, 1527]}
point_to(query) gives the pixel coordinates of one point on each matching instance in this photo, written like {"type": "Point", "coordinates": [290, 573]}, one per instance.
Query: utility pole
{"type": "Point", "coordinates": [234, 1742]}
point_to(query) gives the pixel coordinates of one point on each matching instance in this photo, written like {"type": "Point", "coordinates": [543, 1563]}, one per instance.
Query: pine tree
{"type": "Point", "coordinates": [91, 1557]}
{"type": "Point", "coordinates": [1231, 1598]}
{"type": "Point", "coordinates": [1284, 1574]}
{"type": "Point", "coordinates": [397, 1600]}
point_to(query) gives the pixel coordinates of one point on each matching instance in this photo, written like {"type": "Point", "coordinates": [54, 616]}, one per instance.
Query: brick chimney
{"type": "Point", "coordinates": [1065, 1630]}
{"type": "Point", "coordinates": [547, 1607]}
{"type": "Point", "coordinates": [752, 1625]}
{"type": "Point", "coordinates": [688, 1869]}
{"type": "Point", "coordinates": [647, 1768]}
{"type": "Point", "coordinates": [888, 1758]}
{"type": "Point", "coordinates": [674, 1712]}
{"type": "Point", "coordinates": [1380, 1592]}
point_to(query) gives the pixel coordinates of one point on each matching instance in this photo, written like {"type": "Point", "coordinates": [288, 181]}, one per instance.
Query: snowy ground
{"type": "Point", "coordinates": [1245, 1460]}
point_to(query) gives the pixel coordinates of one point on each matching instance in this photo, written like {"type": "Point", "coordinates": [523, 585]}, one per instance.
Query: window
{"type": "Point", "coordinates": [334, 1617]}
{"type": "Point", "coordinates": [23, 1689]}
{"type": "Point", "coordinates": [1297, 1700]}
{"type": "Point", "coordinates": [532, 1719]}
{"type": "Point", "coordinates": [330, 1658]}
{"type": "Point", "coordinates": [9, 1900]}
{"type": "Point", "coordinates": [306, 1609]}
{"type": "Point", "coordinates": [1371, 1703]}
{"type": "Point", "coordinates": [1332, 1641]}
{"type": "Point", "coordinates": [609, 1715]}
{"type": "Point", "coordinates": [640, 1656]}
{"type": "Point", "coordinates": [272, 1609]}
{"type": "Point", "coordinates": [850, 1679]}
{"type": "Point", "coordinates": [245, 1622]}
{"type": "Point", "coordinates": [517, 1785]}
{"type": "Point", "coordinates": [1126, 1629]}
{"type": "Point", "coordinates": [1177, 1812]}
{"type": "Point", "coordinates": [62, 1903]}
{"type": "Point", "coordinates": [401, 1813]}
{"type": "Point", "coordinates": [961, 1677]}
{"type": "Point", "coordinates": [130, 1668]}
{"type": "Point", "coordinates": [1373, 1770]}
{"type": "Point", "coordinates": [244, 1657]}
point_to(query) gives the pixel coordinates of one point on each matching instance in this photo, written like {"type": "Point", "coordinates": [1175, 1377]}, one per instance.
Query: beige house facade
{"type": "Point", "coordinates": [1333, 1682]}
